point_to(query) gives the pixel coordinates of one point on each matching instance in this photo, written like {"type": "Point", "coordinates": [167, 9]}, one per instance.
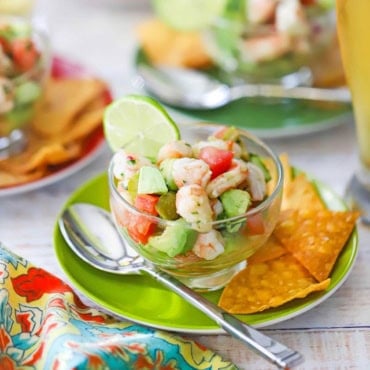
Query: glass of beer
{"type": "Point", "coordinates": [353, 30]}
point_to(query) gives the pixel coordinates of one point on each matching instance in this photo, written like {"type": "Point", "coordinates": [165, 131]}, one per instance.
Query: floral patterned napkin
{"type": "Point", "coordinates": [44, 325]}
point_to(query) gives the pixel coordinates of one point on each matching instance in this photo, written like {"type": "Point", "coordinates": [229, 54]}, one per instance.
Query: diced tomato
{"type": "Point", "coordinates": [24, 54]}
{"type": "Point", "coordinates": [218, 160]}
{"type": "Point", "coordinates": [140, 228]}
{"type": "Point", "coordinates": [4, 44]}
{"type": "Point", "coordinates": [146, 203]}
{"type": "Point", "coordinates": [255, 225]}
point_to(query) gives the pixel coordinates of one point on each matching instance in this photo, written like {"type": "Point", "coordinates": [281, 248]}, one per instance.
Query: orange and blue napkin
{"type": "Point", "coordinates": [44, 325]}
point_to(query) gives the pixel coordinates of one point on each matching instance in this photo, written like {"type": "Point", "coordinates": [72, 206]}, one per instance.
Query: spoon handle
{"type": "Point", "coordinates": [275, 352]}
{"type": "Point", "coordinates": [342, 95]}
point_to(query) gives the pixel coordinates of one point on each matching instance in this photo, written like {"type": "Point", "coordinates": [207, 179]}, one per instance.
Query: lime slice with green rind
{"type": "Point", "coordinates": [187, 15]}
{"type": "Point", "coordinates": [139, 124]}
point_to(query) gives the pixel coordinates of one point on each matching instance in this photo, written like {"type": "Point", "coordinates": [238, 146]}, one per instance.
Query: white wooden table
{"type": "Point", "coordinates": [101, 36]}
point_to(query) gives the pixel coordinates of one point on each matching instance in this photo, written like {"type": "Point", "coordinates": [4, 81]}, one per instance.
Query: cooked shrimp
{"type": "Point", "coordinates": [229, 145]}
{"type": "Point", "coordinates": [193, 205]}
{"type": "Point", "coordinates": [260, 11]}
{"type": "Point", "coordinates": [217, 207]}
{"type": "Point", "coordinates": [126, 165]}
{"type": "Point", "coordinates": [125, 194]}
{"type": "Point", "coordinates": [256, 182]}
{"type": "Point", "coordinates": [186, 171]}
{"type": "Point", "coordinates": [291, 18]}
{"type": "Point", "coordinates": [266, 48]}
{"type": "Point", "coordinates": [209, 245]}
{"type": "Point", "coordinates": [228, 180]}
{"type": "Point", "coordinates": [174, 149]}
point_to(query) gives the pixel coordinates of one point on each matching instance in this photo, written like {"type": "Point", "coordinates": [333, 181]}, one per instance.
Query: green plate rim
{"type": "Point", "coordinates": [134, 285]}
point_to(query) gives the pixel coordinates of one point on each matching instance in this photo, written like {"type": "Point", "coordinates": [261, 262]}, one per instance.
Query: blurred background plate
{"type": "Point", "coordinates": [267, 118]}
{"type": "Point", "coordinates": [92, 147]}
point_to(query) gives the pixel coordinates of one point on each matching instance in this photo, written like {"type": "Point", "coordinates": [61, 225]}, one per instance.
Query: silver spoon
{"type": "Point", "coordinates": [187, 88]}
{"type": "Point", "coordinates": [88, 230]}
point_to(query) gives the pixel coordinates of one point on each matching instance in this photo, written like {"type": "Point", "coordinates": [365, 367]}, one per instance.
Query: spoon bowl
{"type": "Point", "coordinates": [192, 89]}
{"type": "Point", "coordinates": [89, 229]}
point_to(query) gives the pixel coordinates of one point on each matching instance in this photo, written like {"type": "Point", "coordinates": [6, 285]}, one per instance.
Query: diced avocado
{"type": "Point", "coordinates": [176, 239]}
{"type": "Point", "coordinates": [235, 202]}
{"type": "Point", "coordinates": [327, 4]}
{"type": "Point", "coordinates": [151, 181]}
{"type": "Point", "coordinates": [133, 184]}
{"type": "Point", "coordinates": [15, 30]}
{"type": "Point", "coordinates": [27, 92]}
{"type": "Point", "coordinates": [235, 10]}
{"type": "Point", "coordinates": [256, 159]}
{"type": "Point", "coordinates": [166, 206]}
{"type": "Point", "coordinates": [166, 169]}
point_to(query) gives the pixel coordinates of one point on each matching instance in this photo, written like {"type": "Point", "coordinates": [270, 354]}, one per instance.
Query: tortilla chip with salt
{"type": "Point", "coordinates": [316, 239]}
{"type": "Point", "coordinates": [12, 179]}
{"type": "Point", "coordinates": [268, 284]}
{"type": "Point", "coordinates": [270, 250]}
{"type": "Point", "coordinates": [64, 99]}
{"type": "Point", "coordinates": [301, 194]}
{"type": "Point", "coordinates": [39, 154]}
{"type": "Point", "coordinates": [167, 46]}
{"type": "Point", "coordinates": [83, 126]}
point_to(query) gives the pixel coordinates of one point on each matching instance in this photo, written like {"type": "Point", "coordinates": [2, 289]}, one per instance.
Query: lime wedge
{"type": "Point", "coordinates": [187, 15]}
{"type": "Point", "coordinates": [139, 124]}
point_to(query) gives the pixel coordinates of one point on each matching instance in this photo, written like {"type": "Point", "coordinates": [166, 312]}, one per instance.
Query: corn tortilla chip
{"type": "Point", "coordinates": [316, 240]}
{"type": "Point", "coordinates": [301, 194]}
{"type": "Point", "coordinates": [268, 284]}
{"type": "Point", "coordinates": [270, 250]}
{"type": "Point", "coordinates": [39, 154]}
{"type": "Point", "coordinates": [83, 125]}
{"type": "Point", "coordinates": [64, 100]}
{"type": "Point", "coordinates": [166, 46]}
{"type": "Point", "coordinates": [8, 179]}
{"type": "Point", "coordinates": [51, 154]}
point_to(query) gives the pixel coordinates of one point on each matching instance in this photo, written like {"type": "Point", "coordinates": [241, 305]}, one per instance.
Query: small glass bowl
{"type": "Point", "coordinates": [22, 86]}
{"type": "Point", "coordinates": [257, 53]}
{"type": "Point", "coordinates": [243, 235]}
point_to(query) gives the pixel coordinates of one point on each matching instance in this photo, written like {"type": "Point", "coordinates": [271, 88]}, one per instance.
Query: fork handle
{"type": "Point", "coordinates": [275, 352]}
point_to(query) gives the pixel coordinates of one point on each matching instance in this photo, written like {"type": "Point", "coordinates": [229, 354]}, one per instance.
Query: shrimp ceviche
{"type": "Point", "coordinates": [271, 38]}
{"type": "Point", "coordinates": [190, 202]}
{"type": "Point", "coordinates": [22, 70]}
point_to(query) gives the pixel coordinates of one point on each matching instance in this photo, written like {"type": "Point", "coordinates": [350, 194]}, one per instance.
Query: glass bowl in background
{"type": "Point", "coordinates": [24, 68]}
{"type": "Point", "coordinates": [242, 235]}
{"type": "Point", "coordinates": [263, 41]}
